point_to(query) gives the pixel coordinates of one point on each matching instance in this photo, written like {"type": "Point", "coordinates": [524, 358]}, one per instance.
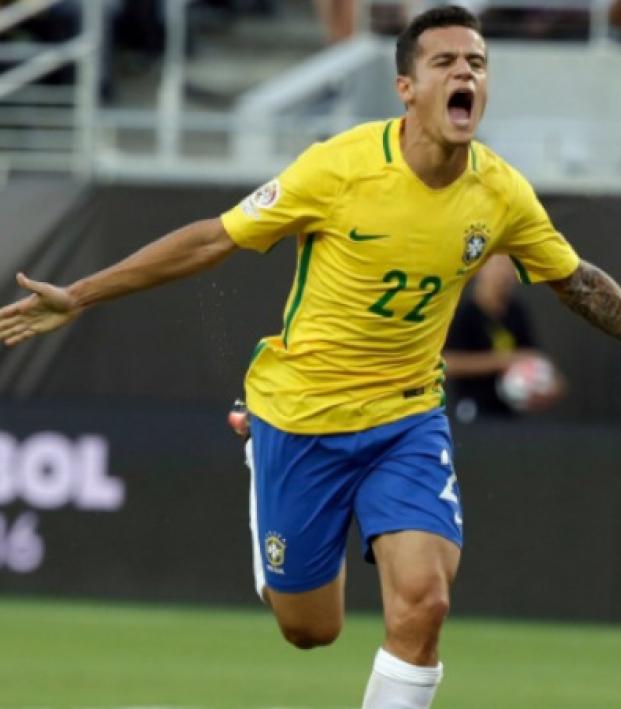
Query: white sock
{"type": "Point", "coordinates": [257, 563]}
{"type": "Point", "coordinates": [395, 684]}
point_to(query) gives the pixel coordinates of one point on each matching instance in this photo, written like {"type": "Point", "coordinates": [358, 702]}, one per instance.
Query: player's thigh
{"type": "Point", "coordinates": [311, 617]}
{"type": "Point", "coordinates": [413, 485]}
{"type": "Point", "coordinates": [304, 503]}
{"type": "Point", "coordinates": [409, 513]}
{"type": "Point", "coordinates": [415, 568]}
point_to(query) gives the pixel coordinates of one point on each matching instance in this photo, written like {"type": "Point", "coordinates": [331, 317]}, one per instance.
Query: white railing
{"type": "Point", "coordinates": [271, 123]}
{"type": "Point", "coordinates": [170, 95]}
{"type": "Point", "coordinates": [44, 127]}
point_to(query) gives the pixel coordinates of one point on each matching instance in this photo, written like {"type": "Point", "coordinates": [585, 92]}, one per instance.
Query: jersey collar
{"type": "Point", "coordinates": [391, 146]}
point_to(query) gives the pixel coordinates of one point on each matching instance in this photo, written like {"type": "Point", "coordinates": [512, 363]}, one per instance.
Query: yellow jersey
{"type": "Point", "coordinates": [382, 261]}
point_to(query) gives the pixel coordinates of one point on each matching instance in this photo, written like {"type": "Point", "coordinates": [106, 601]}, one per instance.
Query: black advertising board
{"type": "Point", "coordinates": [151, 503]}
{"type": "Point", "coordinates": [132, 503]}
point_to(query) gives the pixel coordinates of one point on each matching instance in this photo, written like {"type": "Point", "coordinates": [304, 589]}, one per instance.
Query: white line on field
{"type": "Point", "coordinates": [142, 706]}
{"type": "Point", "coordinates": [172, 706]}
{"type": "Point", "coordinates": [179, 706]}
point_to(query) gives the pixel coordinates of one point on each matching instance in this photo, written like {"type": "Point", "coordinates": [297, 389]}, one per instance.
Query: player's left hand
{"type": "Point", "coordinates": [47, 308]}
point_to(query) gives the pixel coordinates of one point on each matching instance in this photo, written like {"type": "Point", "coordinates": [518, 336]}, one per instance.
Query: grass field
{"type": "Point", "coordinates": [76, 655]}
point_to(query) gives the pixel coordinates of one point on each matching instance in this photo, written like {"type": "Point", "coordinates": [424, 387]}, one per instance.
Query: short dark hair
{"type": "Point", "coordinates": [445, 16]}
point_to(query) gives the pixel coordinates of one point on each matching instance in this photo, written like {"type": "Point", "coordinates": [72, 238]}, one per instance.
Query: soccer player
{"type": "Point", "coordinates": [347, 419]}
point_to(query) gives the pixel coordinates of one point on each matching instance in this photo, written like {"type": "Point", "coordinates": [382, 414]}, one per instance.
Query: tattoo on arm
{"type": "Point", "coordinates": [593, 294]}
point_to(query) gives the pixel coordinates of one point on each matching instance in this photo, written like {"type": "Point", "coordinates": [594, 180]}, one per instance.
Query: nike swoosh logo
{"type": "Point", "coordinates": [355, 236]}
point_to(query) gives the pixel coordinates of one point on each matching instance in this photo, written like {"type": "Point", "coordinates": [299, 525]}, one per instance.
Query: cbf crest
{"type": "Point", "coordinates": [476, 238]}
{"type": "Point", "coordinates": [275, 548]}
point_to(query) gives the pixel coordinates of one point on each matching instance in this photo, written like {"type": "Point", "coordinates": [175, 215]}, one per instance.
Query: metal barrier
{"type": "Point", "coordinates": [272, 122]}
{"type": "Point", "coordinates": [44, 127]}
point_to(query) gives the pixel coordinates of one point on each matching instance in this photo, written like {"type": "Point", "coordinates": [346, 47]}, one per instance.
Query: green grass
{"type": "Point", "coordinates": [57, 655]}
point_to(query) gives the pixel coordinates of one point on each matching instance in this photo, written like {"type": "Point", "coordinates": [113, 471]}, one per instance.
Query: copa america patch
{"type": "Point", "coordinates": [264, 197]}
{"type": "Point", "coordinates": [275, 547]}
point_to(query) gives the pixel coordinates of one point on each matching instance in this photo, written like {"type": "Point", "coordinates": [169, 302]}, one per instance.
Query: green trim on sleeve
{"type": "Point", "coordinates": [386, 142]}
{"type": "Point", "coordinates": [260, 346]}
{"type": "Point", "coordinates": [299, 292]}
{"type": "Point", "coordinates": [522, 272]}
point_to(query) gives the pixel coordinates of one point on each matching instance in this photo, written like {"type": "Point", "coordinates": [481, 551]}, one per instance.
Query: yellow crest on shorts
{"type": "Point", "coordinates": [275, 547]}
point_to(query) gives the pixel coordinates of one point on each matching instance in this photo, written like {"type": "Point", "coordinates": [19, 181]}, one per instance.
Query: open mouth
{"type": "Point", "coordinates": [460, 106]}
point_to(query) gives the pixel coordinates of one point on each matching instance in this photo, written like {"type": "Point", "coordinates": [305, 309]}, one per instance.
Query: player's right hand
{"type": "Point", "coordinates": [47, 308]}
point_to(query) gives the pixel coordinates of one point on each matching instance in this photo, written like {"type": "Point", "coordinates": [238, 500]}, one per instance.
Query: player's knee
{"type": "Point", "coordinates": [435, 607]}
{"type": "Point", "coordinates": [306, 637]}
{"type": "Point", "coordinates": [419, 612]}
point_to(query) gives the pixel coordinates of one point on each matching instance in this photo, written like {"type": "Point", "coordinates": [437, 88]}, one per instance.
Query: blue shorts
{"type": "Point", "coordinates": [394, 477]}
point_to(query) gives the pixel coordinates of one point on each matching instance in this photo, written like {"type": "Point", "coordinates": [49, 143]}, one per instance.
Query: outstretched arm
{"type": "Point", "coordinates": [180, 253]}
{"type": "Point", "coordinates": [593, 294]}
{"type": "Point", "coordinates": [471, 363]}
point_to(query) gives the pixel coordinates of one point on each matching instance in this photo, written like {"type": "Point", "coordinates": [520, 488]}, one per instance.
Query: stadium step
{"type": "Point", "coordinates": [224, 64]}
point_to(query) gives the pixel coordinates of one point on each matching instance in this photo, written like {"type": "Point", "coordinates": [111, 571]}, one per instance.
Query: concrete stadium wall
{"type": "Point", "coordinates": [28, 206]}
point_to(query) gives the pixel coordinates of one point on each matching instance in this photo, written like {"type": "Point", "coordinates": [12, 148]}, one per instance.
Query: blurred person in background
{"type": "Point", "coordinates": [139, 24]}
{"type": "Point", "coordinates": [57, 24]}
{"type": "Point", "coordinates": [61, 23]}
{"type": "Point", "coordinates": [347, 407]}
{"type": "Point", "coordinates": [492, 335]}
{"type": "Point", "coordinates": [614, 18]}
{"type": "Point", "coordinates": [536, 23]}
{"type": "Point", "coordinates": [390, 17]}
{"type": "Point", "coordinates": [338, 18]}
